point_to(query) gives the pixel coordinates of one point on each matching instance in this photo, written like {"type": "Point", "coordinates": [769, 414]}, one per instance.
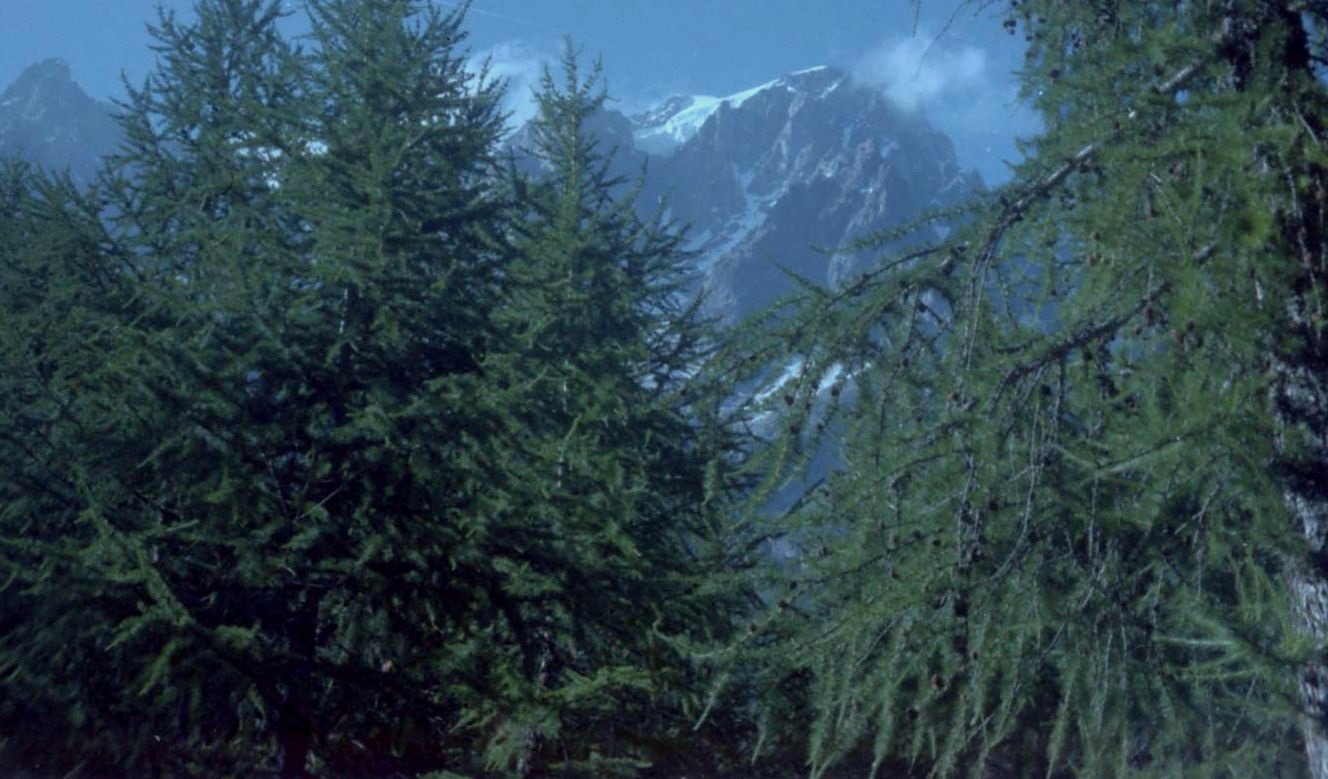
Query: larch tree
{"type": "Point", "coordinates": [244, 507]}
{"type": "Point", "coordinates": [1079, 527]}
{"type": "Point", "coordinates": [311, 465]}
{"type": "Point", "coordinates": [626, 487]}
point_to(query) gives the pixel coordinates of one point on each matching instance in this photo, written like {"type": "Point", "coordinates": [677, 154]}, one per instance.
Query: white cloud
{"type": "Point", "coordinates": [917, 71]}
{"type": "Point", "coordinates": [964, 90]}
{"type": "Point", "coordinates": [521, 65]}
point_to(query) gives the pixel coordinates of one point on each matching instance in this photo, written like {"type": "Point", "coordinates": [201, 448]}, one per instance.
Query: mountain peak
{"type": "Point", "coordinates": [46, 86]}
{"type": "Point", "coordinates": [810, 159]}
{"type": "Point", "coordinates": [676, 119]}
{"type": "Point", "coordinates": [765, 176]}
{"type": "Point", "coordinates": [54, 68]}
{"type": "Point", "coordinates": [46, 118]}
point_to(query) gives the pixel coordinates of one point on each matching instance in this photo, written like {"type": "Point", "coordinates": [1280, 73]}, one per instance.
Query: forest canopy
{"type": "Point", "coordinates": [336, 441]}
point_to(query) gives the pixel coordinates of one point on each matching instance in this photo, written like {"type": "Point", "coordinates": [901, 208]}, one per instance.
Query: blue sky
{"type": "Point", "coordinates": [951, 61]}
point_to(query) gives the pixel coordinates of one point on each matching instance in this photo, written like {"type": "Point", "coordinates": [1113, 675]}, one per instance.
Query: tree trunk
{"type": "Point", "coordinates": [295, 736]}
{"type": "Point", "coordinates": [1301, 397]}
{"type": "Point", "coordinates": [1311, 593]}
{"type": "Point", "coordinates": [295, 727]}
{"type": "Point", "coordinates": [1303, 402]}
{"type": "Point", "coordinates": [1301, 391]}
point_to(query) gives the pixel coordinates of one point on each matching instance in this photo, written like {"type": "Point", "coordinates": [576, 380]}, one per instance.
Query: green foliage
{"type": "Point", "coordinates": [324, 451]}
{"type": "Point", "coordinates": [1058, 538]}
{"type": "Point", "coordinates": [622, 447]}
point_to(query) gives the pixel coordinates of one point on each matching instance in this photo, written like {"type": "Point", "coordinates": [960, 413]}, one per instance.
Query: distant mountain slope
{"type": "Point", "coordinates": [767, 176]}
{"type": "Point", "coordinates": [808, 160]}
{"type": "Point", "coordinates": [47, 119]}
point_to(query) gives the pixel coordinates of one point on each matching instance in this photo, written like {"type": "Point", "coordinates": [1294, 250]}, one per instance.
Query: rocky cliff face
{"type": "Point", "coordinates": [768, 177]}
{"type": "Point", "coordinates": [46, 119]}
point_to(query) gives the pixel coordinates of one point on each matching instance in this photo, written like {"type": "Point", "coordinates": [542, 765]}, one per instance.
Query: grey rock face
{"type": "Point", "coordinates": [46, 119]}
{"type": "Point", "coordinates": [809, 161]}
{"type": "Point", "coordinates": [768, 178]}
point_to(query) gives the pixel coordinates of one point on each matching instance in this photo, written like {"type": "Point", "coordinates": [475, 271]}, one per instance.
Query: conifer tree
{"type": "Point", "coordinates": [1079, 525]}
{"type": "Point", "coordinates": [323, 455]}
{"type": "Point", "coordinates": [55, 313]}
{"type": "Point", "coordinates": [263, 481]}
{"type": "Point", "coordinates": [623, 488]}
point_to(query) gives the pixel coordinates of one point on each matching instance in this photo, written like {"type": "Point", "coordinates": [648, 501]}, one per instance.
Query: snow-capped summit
{"type": "Point", "coordinates": [771, 176]}
{"type": "Point", "coordinates": [669, 124]}
{"type": "Point", "coordinates": [673, 122]}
